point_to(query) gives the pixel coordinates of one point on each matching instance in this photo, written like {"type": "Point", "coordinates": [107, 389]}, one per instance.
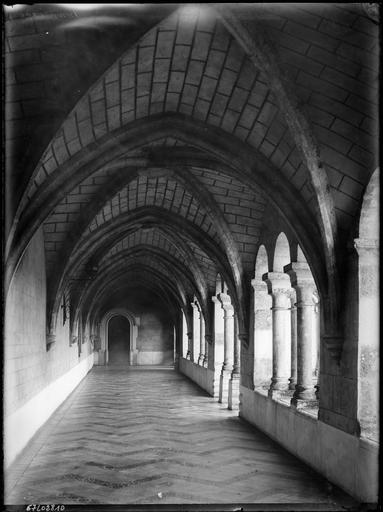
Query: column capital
{"type": "Point", "coordinates": [196, 306]}
{"type": "Point", "coordinates": [225, 300]}
{"type": "Point", "coordinates": [367, 247]}
{"type": "Point", "coordinates": [259, 286]}
{"type": "Point", "coordinates": [277, 281]}
{"type": "Point", "coordinates": [300, 274]}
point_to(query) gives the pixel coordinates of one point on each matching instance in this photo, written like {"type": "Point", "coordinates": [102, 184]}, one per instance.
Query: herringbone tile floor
{"type": "Point", "coordinates": [147, 436]}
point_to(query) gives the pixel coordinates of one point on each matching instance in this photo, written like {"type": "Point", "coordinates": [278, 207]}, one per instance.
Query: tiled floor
{"type": "Point", "coordinates": [150, 436]}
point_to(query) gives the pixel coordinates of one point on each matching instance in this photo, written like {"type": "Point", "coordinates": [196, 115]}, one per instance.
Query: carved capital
{"type": "Point", "coordinates": [225, 300]}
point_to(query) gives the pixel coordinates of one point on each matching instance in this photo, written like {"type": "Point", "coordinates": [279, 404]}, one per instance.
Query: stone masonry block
{"type": "Point", "coordinates": [334, 177]}
{"type": "Point", "coordinates": [325, 41]}
{"type": "Point", "coordinates": [128, 76]}
{"type": "Point", "coordinates": [207, 88]}
{"type": "Point", "coordinates": [351, 188]}
{"type": "Point", "coordinates": [128, 100]}
{"type": "Point", "coordinates": [201, 46]}
{"type": "Point", "coordinates": [189, 94]}
{"type": "Point", "coordinates": [333, 61]}
{"type": "Point", "coordinates": [194, 73]}
{"type": "Point", "coordinates": [112, 94]}
{"type": "Point", "coordinates": [165, 41]}
{"type": "Point", "coordinates": [300, 61]}
{"type": "Point", "coordinates": [234, 57]}
{"type": "Point", "coordinates": [113, 115]}
{"type": "Point", "coordinates": [219, 104]}
{"type": "Point", "coordinates": [180, 57]}
{"type": "Point", "coordinates": [365, 158]}
{"type": "Point", "coordinates": [145, 59]}
{"type": "Point", "coordinates": [343, 164]}
{"type": "Point", "coordinates": [86, 133]}
{"type": "Point", "coordinates": [60, 150]}
{"type": "Point", "coordinates": [176, 81]}
{"type": "Point", "coordinates": [320, 86]}
{"type": "Point", "coordinates": [230, 120]}
{"type": "Point", "coordinates": [214, 63]}
{"type": "Point", "coordinates": [248, 116]}
{"type": "Point", "coordinates": [329, 138]}
{"type": "Point", "coordinates": [238, 99]}
{"type": "Point", "coordinates": [113, 74]}
{"type": "Point", "coordinates": [98, 112]}
{"type": "Point", "coordinates": [227, 81]}
{"type": "Point", "coordinates": [144, 81]}
{"type": "Point", "coordinates": [289, 41]}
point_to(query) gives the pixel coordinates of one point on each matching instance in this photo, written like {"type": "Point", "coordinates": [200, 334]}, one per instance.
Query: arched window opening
{"type": "Point", "coordinates": [281, 253]}
{"type": "Point", "coordinates": [367, 247]}
{"type": "Point", "coordinates": [263, 336]}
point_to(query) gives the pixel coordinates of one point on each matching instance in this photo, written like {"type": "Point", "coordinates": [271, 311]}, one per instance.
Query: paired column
{"type": "Point", "coordinates": [196, 332]}
{"type": "Point", "coordinates": [228, 340]}
{"type": "Point", "coordinates": [233, 398]}
{"type": "Point", "coordinates": [202, 340]}
{"type": "Point", "coordinates": [294, 341]}
{"type": "Point", "coordinates": [279, 286]}
{"type": "Point", "coordinates": [301, 279]}
{"type": "Point", "coordinates": [216, 352]}
{"type": "Point", "coordinates": [190, 354]}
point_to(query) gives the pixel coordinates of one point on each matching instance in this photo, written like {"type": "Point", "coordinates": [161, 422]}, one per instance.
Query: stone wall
{"type": "Point", "coordinates": [155, 329]}
{"type": "Point", "coordinates": [36, 381]}
{"type": "Point", "coordinates": [348, 461]}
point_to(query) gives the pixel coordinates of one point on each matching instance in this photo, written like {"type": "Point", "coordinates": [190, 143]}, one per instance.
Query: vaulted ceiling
{"type": "Point", "coordinates": [151, 143]}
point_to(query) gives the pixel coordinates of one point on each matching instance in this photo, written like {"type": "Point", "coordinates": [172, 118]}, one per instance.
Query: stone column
{"type": "Point", "coordinates": [196, 331]}
{"type": "Point", "coordinates": [263, 336]}
{"type": "Point", "coordinates": [294, 339]}
{"type": "Point", "coordinates": [207, 345]}
{"type": "Point", "coordinates": [216, 351]}
{"type": "Point", "coordinates": [316, 344]}
{"type": "Point", "coordinates": [201, 339]}
{"type": "Point", "coordinates": [280, 289]}
{"type": "Point", "coordinates": [233, 398]}
{"type": "Point", "coordinates": [227, 366]}
{"type": "Point", "coordinates": [302, 280]}
{"type": "Point", "coordinates": [190, 354]}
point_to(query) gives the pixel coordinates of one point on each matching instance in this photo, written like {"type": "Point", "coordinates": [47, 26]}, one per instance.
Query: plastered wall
{"type": "Point", "coordinates": [31, 373]}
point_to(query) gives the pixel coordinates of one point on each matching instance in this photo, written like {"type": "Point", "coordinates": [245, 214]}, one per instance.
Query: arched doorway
{"type": "Point", "coordinates": [119, 346]}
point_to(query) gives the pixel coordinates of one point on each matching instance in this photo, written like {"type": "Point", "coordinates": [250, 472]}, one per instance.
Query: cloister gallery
{"type": "Point", "coordinates": [192, 189]}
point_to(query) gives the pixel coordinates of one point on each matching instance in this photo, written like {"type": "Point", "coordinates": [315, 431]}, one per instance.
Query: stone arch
{"type": "Point", "coordinates": [281, 253]}
{"type": "Point", "coordinates": [134, 322]}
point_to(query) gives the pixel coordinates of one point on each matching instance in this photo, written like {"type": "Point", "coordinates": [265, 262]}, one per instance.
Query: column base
{"type": "Point", "coordinates": [224, 386]}
{"type": "Point", "coordinates": [301, 403]}
{"type": "Point", "coordinates": [278, 388]}
{"type": "Point", "coordinates": [233, 398]}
